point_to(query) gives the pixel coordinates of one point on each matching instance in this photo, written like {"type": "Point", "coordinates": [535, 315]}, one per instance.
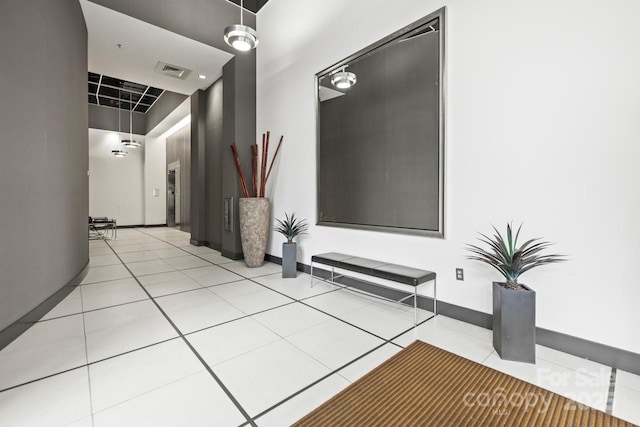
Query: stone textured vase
{"type": "Point", "coordinates": [254, 228]}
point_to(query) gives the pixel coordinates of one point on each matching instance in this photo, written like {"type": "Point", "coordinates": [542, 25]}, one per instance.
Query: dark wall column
{"type": "Point", "coordinates": [215, 147]}
{"type": "Point", "coordinates": [198, 168]}
{"type": "Point", "coordinates": [239, 100]}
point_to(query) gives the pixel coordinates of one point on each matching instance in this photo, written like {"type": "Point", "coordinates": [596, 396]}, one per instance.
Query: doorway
{"type": "Point", "coordinates": [173, 197]}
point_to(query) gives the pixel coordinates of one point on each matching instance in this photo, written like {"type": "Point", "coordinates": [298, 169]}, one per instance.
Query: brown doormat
{"type": "Point", "coordinates": [423, 385]}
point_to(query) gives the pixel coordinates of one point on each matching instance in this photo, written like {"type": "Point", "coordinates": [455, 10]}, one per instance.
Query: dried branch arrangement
{"type": "Point", "coordinates": [258, 180]}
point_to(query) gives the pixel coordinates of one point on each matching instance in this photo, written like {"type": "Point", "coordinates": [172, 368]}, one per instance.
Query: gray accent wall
{"type": "Point", "coordinates": [207, 150]}
{"type": "Point", "coordinates": [167, 102]}
{"type": "Point", "coordinates": [106, 118]}
{"type": "Point", "coordinates": [239, 126]}
{"type": "Point", "coordinates": [215, 148]}
{"type": "Point", "coordinates": [198, 167]}
{"type": "Point", "coordinates": [44, 196]}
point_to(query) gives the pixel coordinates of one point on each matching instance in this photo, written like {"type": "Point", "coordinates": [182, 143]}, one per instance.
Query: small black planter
{"type": "Point", "coordinates": [514, 323]}
{"type": "Point", "coordinates": [289, 259]}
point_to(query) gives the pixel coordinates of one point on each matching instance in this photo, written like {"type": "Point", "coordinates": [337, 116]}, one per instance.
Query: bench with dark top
{"type": "Point", "coordinates": [379, 269]}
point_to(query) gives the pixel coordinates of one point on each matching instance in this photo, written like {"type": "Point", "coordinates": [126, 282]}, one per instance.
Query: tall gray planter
{"type": "Point", "coordinates": [289, 259]}
{"type": "Point", "coordinates": [254, 213]}
{"type": "Point", "coordinates": [514, 323]}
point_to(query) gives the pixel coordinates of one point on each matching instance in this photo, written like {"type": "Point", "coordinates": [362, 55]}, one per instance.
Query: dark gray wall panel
{"type": "Point", "coordinates": [179, 148]}
{"type": "Point", "coordinates": [239, 126]}
{"type": "Point", "coordinates": [106, 118]}
{"type": "Point", "coordinates": [215, 148]}
{"type": "Point", "coordinates": [168, 102]}
{"type": "Point", "coordinates": [44, 194]}
{"type": "Point", "coordinates": [198, 183]}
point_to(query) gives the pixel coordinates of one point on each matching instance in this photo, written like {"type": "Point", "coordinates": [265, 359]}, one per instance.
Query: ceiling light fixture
{"type": "Point", "coordinates": [343, 79]}
{"type": "Point", "coordinates": [130, 142]}
{"type": "Point", "coordinates": [118, 152]}
{"type": "Point", "coordinates": [202, 77]}
{"type": "Point", "coordinates": [239, 36]}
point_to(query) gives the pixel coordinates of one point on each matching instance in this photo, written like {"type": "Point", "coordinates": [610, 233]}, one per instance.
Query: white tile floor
{"type": "Point", "coordinates": [164, 333]}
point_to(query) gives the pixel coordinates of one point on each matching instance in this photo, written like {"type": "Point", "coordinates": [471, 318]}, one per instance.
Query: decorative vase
{"type": "Point", "coordinates": [289, 259]}
{"type": "Point", "coordinates": [514, 323]}
{"type": "Point", "coordinates": [254, 216]}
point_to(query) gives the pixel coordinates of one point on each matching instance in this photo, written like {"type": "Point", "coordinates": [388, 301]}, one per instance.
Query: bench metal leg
{"type": "Point", "coordinates": [415, 306]}
{"type": "Point", "coordinates": [312, 273]}
{"type": "Point", "coordinates": [435, 299]}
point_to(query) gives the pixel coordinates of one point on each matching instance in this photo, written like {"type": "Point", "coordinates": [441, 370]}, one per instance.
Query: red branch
{"type": "Point", "coordinates": [245, 192]}
{"type": "Point", "coordinates": [254, 168]}
{"type": "Point", "coordinates": [274, 157]}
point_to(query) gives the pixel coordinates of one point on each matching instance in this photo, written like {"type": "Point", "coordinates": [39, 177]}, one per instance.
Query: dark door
{"type": "Point", "coordinates": [171, 199]}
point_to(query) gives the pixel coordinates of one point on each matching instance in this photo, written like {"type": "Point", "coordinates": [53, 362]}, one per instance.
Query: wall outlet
{"type": "Point", "coordinates": [459, 274]}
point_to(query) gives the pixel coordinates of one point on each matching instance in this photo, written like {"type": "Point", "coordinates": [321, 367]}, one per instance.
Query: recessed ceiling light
{"type": "Point", "coordinates": [202, 77]}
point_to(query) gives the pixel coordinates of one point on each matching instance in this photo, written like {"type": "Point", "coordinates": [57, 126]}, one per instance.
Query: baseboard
{"type": "Point", "coordinates": [232, 255]}
{"type": "Point", "coordinates": [154, 225]}
{"type": "Point", "coordinates": [17, 328]}
{"type": "Point", "coordinates": [607, 355]}
{"type": "Point", "coordinates": [196, 242]}
{"type": "Point", "coordinates": [597, 352]}
{"type": "Point", "coordinates": [214, 246]}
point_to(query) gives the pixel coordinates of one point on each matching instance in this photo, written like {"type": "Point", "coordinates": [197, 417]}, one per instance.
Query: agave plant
{"type": "Point", "coordinates": [291, 227]}
{"type": "Point", "coordinates": [510, 260]}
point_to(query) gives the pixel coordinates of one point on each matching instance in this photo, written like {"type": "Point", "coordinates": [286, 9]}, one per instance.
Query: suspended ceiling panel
{"type": "Point", "coordinates": [111, 92]}
{"type": "Point", "coordinates": [129, 49]}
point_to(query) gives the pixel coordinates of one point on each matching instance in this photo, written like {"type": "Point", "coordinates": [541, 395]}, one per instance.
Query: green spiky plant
{"type": "Point", "coordinates": [510, 260]}
{"type": "Point", "coordinates": [291, 227]}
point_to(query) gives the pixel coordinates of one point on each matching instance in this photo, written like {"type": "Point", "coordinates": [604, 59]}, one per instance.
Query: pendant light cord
{"type": "Point", "coordinates": [241, 10]}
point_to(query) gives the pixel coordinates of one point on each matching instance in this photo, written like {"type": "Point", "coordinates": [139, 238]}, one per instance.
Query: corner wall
{"type": "Point", "coordinates": [541, 126]}
{"type": "Point", "coordinates": [43, 167]}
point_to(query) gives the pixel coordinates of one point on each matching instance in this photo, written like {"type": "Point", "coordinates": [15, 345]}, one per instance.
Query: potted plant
{"type": "Point", "coordinates": [254, 211]}
{"type": "Point", "coordinates": [514, 304]}
{"type": "Point", "coordinates": [290, 228]}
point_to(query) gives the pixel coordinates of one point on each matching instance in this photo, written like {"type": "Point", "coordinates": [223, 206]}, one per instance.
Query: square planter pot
{"type": "Point", "coordinates": [289, 259]}
{"type": "Point", "coordinates": [514, 323]}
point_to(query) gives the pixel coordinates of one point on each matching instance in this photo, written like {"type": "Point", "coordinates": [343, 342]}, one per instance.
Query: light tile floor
{"type": "Point", "coordinates": [162, 333]}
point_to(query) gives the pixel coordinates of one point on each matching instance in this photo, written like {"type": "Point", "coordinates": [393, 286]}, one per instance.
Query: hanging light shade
{"type": "Point", "coordinates": [343, 79]}
{"type": "Point", "coordinates": [239, 36]}
{"type": "Point", "coordinates": [118, 152]}
{"type": "Point", "coordinates": [130, 142]}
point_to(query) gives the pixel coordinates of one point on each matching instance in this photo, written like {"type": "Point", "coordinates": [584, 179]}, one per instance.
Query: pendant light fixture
{"type": "Point", "coordinates": [130, 143]}
{"type": "Point", "coordinates": [118, 152]}
{"type": "Point", "coordinates": [239, 36]}
{"type": "Point", "coordinates": [343, 79]}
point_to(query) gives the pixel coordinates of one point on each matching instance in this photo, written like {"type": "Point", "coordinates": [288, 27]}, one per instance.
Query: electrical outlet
{"type": "Point", "coordinates": [459, 274]}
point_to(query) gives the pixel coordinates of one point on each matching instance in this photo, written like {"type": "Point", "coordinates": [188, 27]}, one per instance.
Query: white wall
{"type": "Point", "coordinates": [155, 178]}
{"type": "Point", "coordinates": [543, 108]}
{"type": "Point", "coordinates": [116, 185]}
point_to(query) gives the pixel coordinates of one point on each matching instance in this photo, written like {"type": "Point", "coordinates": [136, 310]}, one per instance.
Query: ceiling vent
{"type": "Point", "coordinates": [172, 70]}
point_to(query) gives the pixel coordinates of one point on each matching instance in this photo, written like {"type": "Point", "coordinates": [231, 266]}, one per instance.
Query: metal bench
{"type": "Point", "coordinates": [393, 272]}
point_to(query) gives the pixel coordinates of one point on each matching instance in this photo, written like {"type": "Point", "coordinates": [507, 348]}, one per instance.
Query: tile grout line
{"type": "Point", "coordinates": [195, 352]}
{"type": "Point", "coordinates": [86, 355]}
{"type": "Point", "coordinates": [612, 390]}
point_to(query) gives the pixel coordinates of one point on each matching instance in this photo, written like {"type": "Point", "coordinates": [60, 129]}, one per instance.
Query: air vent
{"type": "Point", "coordinates": [172, 70]}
